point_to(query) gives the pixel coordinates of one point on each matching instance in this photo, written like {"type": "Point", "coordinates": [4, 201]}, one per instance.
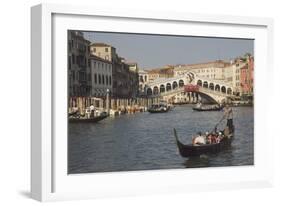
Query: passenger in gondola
{"type": "Point", "coordinates": [199, 140]}
{"type": "Point", "coordinates": [220, 137]}
{"type": "Point", "coordinates": [209, 139]}
{"type": "Point", "coordinates": [228, 115]}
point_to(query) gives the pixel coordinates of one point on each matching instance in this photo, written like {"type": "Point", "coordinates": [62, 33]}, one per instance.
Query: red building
{"type": "Point", "coordinates": [247, 77]}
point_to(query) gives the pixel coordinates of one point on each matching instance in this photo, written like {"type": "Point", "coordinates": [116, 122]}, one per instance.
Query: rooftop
{"type": "Point", "coordinates": [100, 44]}
{"type": "Point", "coordinates": [218, 63]}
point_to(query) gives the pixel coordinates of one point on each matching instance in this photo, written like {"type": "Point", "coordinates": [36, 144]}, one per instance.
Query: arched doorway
{"type": "Point", "coordinates": [162, 88]}
{"type": "Point", "coordinates": [223, 89]}
{"type": "Point", "coordinates": [149, 91]}
{"type": "Point", "coordinates": [181, 83]}
{"type": "Point", "coordinates": [199, 83]}
{"type": "Point", "coordinates": [168, 87]}
{"type": "Point", "coordinates": [205, 84]}
{"type": "Point", "coordinates": [211, 86]}
{"type": "Point", "coordinates": [217, 88]}
{"type": "Point", "coordinates": [175, 85]}
{"type": "Point", "coordinates": [155, 90]}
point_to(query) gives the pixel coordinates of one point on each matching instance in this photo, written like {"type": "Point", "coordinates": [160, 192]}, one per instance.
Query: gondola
{"type": "Point", "coordinates": [158, 109]}
{"type": "Point", "coordinates": [87, 120]}
{"type": "Point", "coordinates": [190, 150]}
{"type": "Point", "coordinates": [206, 109]}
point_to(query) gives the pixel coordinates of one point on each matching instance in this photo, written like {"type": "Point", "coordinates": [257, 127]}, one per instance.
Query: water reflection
{"type": "Point", "coordinates": [145, 141]}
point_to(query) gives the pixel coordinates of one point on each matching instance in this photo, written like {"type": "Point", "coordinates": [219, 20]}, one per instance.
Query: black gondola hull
{"type": "Point", "coordinates": [157, 111]}
{"type": "Point", "coordinates": [89, 120]}
{"type": "Point", "coordinates": [202, 109]}
{"type": "Point", "coordinates": [193, 151]}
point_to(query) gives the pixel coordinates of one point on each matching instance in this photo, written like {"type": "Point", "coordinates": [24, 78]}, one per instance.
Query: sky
{"type": "Point", "coordinates": [152, 51]}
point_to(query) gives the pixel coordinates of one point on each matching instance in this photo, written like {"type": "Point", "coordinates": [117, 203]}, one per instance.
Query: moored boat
{"type": "Point", "coordinates": [159, 108]}
{"type": "Point", "coordinates": [190, 150]}
{"type": "Point", "coordinates": [87, 120]}
{"type": "Point", "coordinates": [208, 108]}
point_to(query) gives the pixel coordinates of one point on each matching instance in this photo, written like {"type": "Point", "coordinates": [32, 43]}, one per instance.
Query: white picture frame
{"type": "Point", "coordinates": [49, 179]}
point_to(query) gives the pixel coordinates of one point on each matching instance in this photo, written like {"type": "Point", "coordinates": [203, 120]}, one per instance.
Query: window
{"type": "Point", "coordinates": [94, 49]}
{"type": "Point", "coordinates": [73, 59]}
{"type": "Point", "coordinates": [106, 80]}
{"type": "Point", "coordinates": [106, 49]}
{"type": "Point", "coordinates": [109, 80]}
{"type": "Point", "coordinates": [102, 79]}
{"type": "Point", "coordinates": [69, 62]}
{"type": "Point", "coordinates": [73, 75]}
{"type": "Point", "coordinates": [95, 78]}
{"type": "Point", "coordinates": [99, 79]}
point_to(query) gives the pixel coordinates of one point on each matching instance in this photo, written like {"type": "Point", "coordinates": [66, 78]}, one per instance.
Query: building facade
{"type": "Point", "coordinates": [134, 78]}
{"type": "Point", "coordinates": [124, 76]}
{"type": "Point", "coordinates": [79, 74]}
{"type": "Point", "coordinates": [143, 80]}
{"type": "Point", "coordinates": [101, 76]}
{"type": "Point", "coordinates": [163, 72]}
{"type": "Point", "coordinates": [212, 70]}
{"type": "Point", "coordinates": [247, 76]}
{"type": "Point", "coordinates": [104, 51]}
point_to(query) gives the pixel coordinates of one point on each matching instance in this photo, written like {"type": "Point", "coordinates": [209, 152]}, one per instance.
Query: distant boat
{"type": "Point", "coordinates": [189, 150]}
{"type": "Point", "coordinates": [158, 109]}
{"type": "Point", "coordinates": [208, 108]}
{"type": "Point", "coordinates": [87, 120]}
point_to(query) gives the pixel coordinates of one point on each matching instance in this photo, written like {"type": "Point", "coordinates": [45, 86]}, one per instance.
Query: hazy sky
{"type": "Point", "coordinates": [151, 51]}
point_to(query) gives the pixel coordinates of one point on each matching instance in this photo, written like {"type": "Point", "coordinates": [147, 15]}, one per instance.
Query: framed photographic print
{"type": "Point", "coordinates": [135, 102]}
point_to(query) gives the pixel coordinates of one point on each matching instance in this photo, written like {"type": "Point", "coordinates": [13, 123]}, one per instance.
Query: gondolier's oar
{"type": "Point", "coordinates": [217, 124]}
{"type": "Point", "coordinates": [176, 135]}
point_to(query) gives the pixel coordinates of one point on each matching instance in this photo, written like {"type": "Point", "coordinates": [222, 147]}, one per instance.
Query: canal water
{"type": "Point", "coordinates": [145, 141]}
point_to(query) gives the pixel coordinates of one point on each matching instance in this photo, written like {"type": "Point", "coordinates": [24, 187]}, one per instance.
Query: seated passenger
{"type": "Point", "coordinates": [220, 137]}
{"type": "Point", "coordinates": [213, 139]}
{"type": "Point", "coordinates": [199, 140]}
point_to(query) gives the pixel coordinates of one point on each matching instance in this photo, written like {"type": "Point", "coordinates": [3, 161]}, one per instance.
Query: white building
{"type": "Point", "coordinates": [101, 76]}
{"type": "Point", "coordinates": [212, 70]}
{"type": "Point", "coordinates": [143, 80]}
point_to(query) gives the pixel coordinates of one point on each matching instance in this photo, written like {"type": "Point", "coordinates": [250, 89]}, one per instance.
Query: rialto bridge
{"type": "Point", "coordinates": [190, 88]}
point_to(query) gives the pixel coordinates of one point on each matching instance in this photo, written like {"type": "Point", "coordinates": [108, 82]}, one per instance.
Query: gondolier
{"type": "Point", "coordinates": [92, 111]}
{"type": "Point", "coordinates": [228, 115]}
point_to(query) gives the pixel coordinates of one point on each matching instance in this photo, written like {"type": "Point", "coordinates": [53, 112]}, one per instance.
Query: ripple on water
{"type": "Point", "coordinates": [145, 141]}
